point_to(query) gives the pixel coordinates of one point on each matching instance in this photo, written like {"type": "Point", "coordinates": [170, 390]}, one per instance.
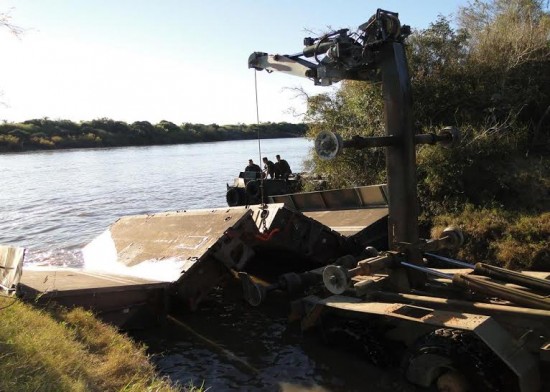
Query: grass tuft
{"type": "Point", "coordinates": [69, 350]}
{"type": "Point", "coordinates": [510, 239]}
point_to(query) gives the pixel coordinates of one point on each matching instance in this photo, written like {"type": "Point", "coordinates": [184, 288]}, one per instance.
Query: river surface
{"type": "Point", "coordinates": [55, 202]}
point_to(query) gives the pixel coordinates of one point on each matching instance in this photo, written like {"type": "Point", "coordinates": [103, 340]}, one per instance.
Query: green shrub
{"type": "Point", "coordinates": [500, 237]}
{"type": "Point", "coordinates": [487, 168]}
{"type": "Point", "coordinates": [526, 243]}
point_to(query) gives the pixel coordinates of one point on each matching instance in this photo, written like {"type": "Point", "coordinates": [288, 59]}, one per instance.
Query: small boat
{"type": "Point", "coordinates": [250, 188]}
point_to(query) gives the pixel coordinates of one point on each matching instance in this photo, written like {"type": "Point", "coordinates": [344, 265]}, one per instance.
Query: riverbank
{"type": "Point", "coordinates": [45, 134]}
{"type": "Point", "coordinates": [70, 350]}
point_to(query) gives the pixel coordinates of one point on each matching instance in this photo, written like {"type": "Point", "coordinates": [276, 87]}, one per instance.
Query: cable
{"type": "Point", "coordinates": [259, 139]}
{"type": "Point", "coordinates": [257, 114]}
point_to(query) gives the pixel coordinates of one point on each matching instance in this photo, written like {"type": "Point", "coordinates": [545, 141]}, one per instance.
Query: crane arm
{"type": "Point", "coordinates": [280, 63]}
{"type": "Point", "coordinates": [340, 54]}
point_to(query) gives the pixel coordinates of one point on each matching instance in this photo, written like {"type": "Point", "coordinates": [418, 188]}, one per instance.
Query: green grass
{"type": "Point", "coordinates": [70, 350]}
{"type": "Point", "coordinates": [514, 240]}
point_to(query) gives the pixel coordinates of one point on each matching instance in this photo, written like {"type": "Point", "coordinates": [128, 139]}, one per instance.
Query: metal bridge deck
{"type": "Point", "coordinates": [120, 300]}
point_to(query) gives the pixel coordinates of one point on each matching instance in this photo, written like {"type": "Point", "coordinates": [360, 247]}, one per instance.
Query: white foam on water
{"type": "Point", "coordinates": [100, 255]}
{"type": "Point", "coordinates": [64, 258]}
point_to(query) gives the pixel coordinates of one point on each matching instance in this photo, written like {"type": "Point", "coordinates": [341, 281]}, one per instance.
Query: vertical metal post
{"type": "Point", "coordinates": [401, 157]}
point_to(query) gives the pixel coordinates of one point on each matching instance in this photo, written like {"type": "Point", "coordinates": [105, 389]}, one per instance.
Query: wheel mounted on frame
{"type": "Point", "coordinates": [449, 360]}
{"type": "Point", "coordinates": [253, 192]}
{"type": "Point", "coordinates": [358, 337]}
{"type": "Point", "coordinates": [234, 197]}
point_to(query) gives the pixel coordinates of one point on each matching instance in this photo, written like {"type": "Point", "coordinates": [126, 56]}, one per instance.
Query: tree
{"type": "Point", "coordinates": [438, 62]}
{"type": "Point", "coordinates": [354, 109]}
{"type": "Point", "coordinates": [493, 84]}
{"type": "Point", "coordinates": [6, 22]}
{"type": "Point", "coordinates": [510, 40]}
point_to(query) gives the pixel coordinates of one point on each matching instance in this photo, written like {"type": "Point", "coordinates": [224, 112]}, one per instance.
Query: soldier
{"type": "Point", "coordinates": [282, 168]}
{"type": "Point", "coordinates": [253, 167]}
{"type": "Point", "coordinates": [269, 167]}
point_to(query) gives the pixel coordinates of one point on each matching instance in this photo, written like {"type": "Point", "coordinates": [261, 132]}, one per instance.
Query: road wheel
{"type": "Point", "coordinates": [234, 197]}
{"type": "Point", "coordinates": [359, 338]}
{"type": "Point", "coordinates": [449, 360]}
{"type": "Point", "coordinates": [253, 191]}
{"type": "Point", "coordinates": [452, 381]}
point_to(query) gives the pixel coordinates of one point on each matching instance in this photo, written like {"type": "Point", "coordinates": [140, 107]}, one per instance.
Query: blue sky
{"type": "Point", "coordinates": [182, 61]}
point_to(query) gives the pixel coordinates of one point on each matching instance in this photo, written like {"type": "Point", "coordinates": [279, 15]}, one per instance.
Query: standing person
{"type": "Point", "coordinates": [252, 167]}
{"type": "Point", "coordinates": [269, 167]}
{"type": "Point", "coordinates": [282, 168]}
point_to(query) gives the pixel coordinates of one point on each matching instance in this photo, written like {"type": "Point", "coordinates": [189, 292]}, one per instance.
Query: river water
{"type": "Point", "coordinates": [55, 202]}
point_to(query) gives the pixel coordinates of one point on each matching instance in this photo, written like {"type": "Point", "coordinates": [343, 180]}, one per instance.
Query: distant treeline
{"type": "Point", "coordinates": [45, 134]}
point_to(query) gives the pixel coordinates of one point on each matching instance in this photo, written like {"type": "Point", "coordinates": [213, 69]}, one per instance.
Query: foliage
{"type": "Point", "coordinates": [525, 244]}
{"type": "Point", "coordinates": [458, 78]}
{"type": "Point", "coordinates": [69, 350]}
{"type": "Point", "coordinates": [6, 22]}
{"type": "Point", "coordinates": [493, 235]}
{"type": "Point", "coordinates": [44, 133]}
{"type": "Point", "coordinates": [354, 109]}
{"type": "Point", "coordinates": [438, 61]}
{"type": "Point", "coordinates": [491, 78]}
{"type": "Point", "coordinates": [484, 171]}
{"type": "Point", "coordinates": [510, 45]}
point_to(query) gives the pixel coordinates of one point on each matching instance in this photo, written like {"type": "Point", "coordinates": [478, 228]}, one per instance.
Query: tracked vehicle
{"type": "Point", "coordinates": [466, 327]}
{"type": "Point", "coordinates": [250, 188]}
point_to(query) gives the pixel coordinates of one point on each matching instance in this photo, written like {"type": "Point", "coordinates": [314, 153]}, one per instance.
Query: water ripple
{"type": "Point", "coordinates": [51, 201]}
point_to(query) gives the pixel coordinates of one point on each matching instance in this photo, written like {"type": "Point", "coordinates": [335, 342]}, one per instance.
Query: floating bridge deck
{"type": "Point", "coordinates": [120, 300]}
{"type": "Point", "coordinates": [141, 260]}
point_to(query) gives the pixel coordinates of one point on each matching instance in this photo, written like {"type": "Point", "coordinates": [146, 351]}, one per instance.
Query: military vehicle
{"type": "Point", "coordinates": [250, 188]}
{"type": "Point", "coordinates": [465, 327]}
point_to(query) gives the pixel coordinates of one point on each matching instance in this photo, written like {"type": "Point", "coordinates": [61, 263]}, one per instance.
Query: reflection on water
{"type": "Point", "coordinates": [230, 346]}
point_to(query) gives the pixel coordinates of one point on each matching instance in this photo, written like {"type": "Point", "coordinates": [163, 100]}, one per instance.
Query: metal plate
{"type": "Point", "coordinates": [11, 263]}
{"type": "Point", "coordinates": [172, 241]}
{"type": "Point", "coordinates": [371, 196]}
{"type": "Point", "coordinates": [348, 222]}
